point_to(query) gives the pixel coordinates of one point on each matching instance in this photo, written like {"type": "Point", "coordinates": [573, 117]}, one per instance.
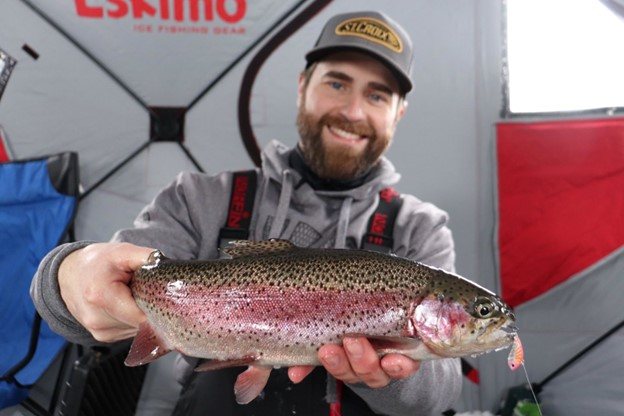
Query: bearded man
{"type": "Point", "coordinates": [351, 96]}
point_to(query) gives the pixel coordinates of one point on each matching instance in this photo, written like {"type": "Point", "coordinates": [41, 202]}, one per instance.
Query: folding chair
{"type": "Point", "coordinates": [38, 200]}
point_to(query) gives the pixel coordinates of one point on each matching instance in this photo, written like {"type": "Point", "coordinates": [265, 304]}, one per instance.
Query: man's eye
{"type": "Point", "coordinates": [335, 85]}
{"type": "Point", "coordinates": [377, 98]}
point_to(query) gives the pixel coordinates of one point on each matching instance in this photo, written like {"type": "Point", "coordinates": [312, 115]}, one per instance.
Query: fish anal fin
{"type": "Point", "coordinates": [241, 248]}
{"type": "Point", "coordinates": [250, 383]}
{"type": "Point", "coordinates": [146, 346]}
{"type": "Point", "coordinates": [219, 364]}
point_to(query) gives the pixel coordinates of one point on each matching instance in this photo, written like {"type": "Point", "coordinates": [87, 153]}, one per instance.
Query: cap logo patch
{"type": "Point", "coordinates": [372, 30]}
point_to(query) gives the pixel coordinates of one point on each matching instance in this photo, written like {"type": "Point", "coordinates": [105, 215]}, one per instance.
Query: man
{"type": "Point", "coordinates": [350, 98]}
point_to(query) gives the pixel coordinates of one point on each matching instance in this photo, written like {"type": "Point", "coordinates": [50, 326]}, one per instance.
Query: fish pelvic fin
{"type": "Point", "coordinates": [242, 248]}
{"type": "Point", "coordinates": [219, 364]}
{"type": "Point", "coordinates": [250, 383]}
{"type": "Point", "coordinates": [146, 346]}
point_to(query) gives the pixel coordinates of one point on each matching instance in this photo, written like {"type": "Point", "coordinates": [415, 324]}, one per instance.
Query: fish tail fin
{"type": "Point", "coordinates": [146, 346]}
{"type": "Point", "coordinates": [250, 383]}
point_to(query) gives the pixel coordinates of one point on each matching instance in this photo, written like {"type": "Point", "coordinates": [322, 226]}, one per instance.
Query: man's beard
{"type": "Point", "coordinates": [338, 162]}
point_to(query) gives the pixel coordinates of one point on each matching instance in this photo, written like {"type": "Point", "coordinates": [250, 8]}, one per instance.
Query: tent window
{"type": "Point", "coordinates": [564, 56]}
{"type": "Point", "coordinates": [6, 66]}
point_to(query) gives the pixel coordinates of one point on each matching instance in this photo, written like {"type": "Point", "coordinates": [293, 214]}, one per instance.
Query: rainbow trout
{"type": "Point", "coordinates": [275, 304]}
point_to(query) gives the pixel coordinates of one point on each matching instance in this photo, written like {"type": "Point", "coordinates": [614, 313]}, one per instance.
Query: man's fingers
{"type": "Point", "coordinates": [113, 334]}
{"type": "Point", "coordinates": [336, 363]}
{"type": "Point", "coordinates": [365, 362]}
{"type": "Point", "coordinates": [121, 306]}
{"type": "Point", "coordinates": [298, 373]}
{"type": "Point", "coordinates": [129, 257]}
{"type": "Point", "coordinates": [399, 366]}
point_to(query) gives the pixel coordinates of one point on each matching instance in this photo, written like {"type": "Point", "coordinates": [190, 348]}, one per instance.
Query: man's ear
{"type": "Point", "coordinates": [300, 89]}
{"type": "Point", "coordinates": [402, 108]}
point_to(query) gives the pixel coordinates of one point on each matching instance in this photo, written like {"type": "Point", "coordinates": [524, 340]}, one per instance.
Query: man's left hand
{"type": "Point", "coordinates": [357, 362]}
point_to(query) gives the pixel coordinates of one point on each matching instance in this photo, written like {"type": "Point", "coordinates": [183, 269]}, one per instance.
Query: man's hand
{"type": "Point", "coordinates": [357, 362]}
{"type": "Point", "coordinates": [94, 286]}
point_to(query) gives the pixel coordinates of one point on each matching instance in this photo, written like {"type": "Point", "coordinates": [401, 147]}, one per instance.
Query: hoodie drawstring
{"type": "Point", "coordinates": [343, 223]}
{"type": "Point", "coordinates": [282, 206]}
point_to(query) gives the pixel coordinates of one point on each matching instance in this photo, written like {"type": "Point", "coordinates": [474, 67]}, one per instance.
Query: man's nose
{"type": "Point", "coordinates": [353, 108]}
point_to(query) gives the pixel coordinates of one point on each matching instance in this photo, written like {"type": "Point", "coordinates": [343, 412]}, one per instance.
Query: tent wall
{"type": "Point", "coordinates": [443, 147]}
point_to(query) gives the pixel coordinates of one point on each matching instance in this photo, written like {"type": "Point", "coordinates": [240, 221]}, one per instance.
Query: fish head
{"type": "Point", "coordinates": [456, 323]}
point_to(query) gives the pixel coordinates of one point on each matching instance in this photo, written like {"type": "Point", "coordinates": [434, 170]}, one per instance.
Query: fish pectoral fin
{"type": "Point", "coordinates": [250, 383]}
{"type": "Point", "coordinates": [146, 346]}
{"type": "Point", "coordinates": [241, 248]}
{"type": "Point", "coordinates": [393, 343]}
{"type": "Point", "coordinates": [413, 348]}
{"type": "Point", "coordinates": [219, 364]}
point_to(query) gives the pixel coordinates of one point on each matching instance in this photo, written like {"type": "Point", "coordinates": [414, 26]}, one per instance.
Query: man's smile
{"type": "Point", "coordinates": [345, 136]}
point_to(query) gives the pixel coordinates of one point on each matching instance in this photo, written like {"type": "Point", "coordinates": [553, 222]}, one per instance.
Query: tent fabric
{"type": "Point", "coordinates": [616, 6]}
{"type": "Point", "coordinates": [88, 91]}
{"type": "Point", "coordinates": [558, 325]}
{"type": "Point", "coordinates": [34, 216]}
{"type": "Point", "coordinates": [550, 175]}
{"type": "Point", "coordinates": [5, 154]}
{"type": "Point", "coordinates": [561, 257]}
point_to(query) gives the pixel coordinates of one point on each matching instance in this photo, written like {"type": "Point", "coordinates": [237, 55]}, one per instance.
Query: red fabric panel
{"type": "Point", "coordinates": [4, 154]}
{"type": "Point", "coordinates": [561, 201]}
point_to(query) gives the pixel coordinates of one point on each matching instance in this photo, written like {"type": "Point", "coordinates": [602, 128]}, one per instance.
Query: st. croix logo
{"type": "Point", "coordinates": [370, 29]}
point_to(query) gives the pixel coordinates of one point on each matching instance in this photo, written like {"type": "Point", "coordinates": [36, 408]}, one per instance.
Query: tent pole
{"type": "Point", "coordinates": [571, 361]}
{"type": "Point", "coordinates": [115, 169]}
{"type": "Point", "coordinates": [245, 53]}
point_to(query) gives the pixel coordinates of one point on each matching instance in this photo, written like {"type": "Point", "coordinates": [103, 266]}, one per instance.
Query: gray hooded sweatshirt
{"type": "Point", "coordinates": [184, 220]}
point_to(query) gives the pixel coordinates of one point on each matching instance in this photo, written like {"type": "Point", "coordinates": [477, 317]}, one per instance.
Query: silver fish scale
{"type": "Point", "coordinates": [280, 307]}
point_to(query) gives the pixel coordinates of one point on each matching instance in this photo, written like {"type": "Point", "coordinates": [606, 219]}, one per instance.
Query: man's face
{"type": "Point", "coordinates": [348, 112]}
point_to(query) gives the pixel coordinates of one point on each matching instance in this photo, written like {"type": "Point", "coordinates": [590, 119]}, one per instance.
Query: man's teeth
{"type": "Point", "coordinates": [345, 134]}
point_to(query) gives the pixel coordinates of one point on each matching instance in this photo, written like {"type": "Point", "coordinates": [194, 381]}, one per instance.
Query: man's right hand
{"type": "Point", "coordinates": [94, 286]}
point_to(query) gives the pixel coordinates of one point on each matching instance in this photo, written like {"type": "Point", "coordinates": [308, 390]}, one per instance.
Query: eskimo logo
{"type": "Point", "coordinates": [228, 11]}
{"type": "Point", "coordinates": [372, 30]}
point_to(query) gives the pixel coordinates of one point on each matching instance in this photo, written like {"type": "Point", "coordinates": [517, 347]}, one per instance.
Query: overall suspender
{"type": "Point", "coordinates": [381, 224]}
{"type": "Point", "coordinates": [244, 183]}
{"type": "Point", "coordinates": [242, 198]}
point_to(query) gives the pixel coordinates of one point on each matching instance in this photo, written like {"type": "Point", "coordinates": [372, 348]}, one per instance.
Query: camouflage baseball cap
{"type": "Point", "coordinates": [370, 32]}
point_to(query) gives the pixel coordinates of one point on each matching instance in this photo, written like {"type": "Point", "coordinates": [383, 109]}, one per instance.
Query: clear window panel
{"type": "Point", "coordinates": [564, 55]}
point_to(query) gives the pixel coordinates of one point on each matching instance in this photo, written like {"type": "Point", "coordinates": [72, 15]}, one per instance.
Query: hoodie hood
{"type": "Point", "coordinates": [293, 209]}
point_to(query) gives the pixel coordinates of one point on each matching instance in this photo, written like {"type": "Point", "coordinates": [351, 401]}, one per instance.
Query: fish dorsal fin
{"type": "Point", "coordinates": [240, 248]}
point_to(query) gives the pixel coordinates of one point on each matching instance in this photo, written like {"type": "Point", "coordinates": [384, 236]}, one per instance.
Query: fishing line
{"type": "Point", "coordinates": [526, 374]}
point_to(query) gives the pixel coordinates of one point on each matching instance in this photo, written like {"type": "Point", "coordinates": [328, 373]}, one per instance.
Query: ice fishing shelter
{"type": "Point", "coordinates": [142, 89]}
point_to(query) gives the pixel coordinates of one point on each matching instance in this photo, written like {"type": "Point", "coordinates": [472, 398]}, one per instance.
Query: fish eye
{"type": "Point", "coordinates": [484, 311]}
{"type": "Point", "coordinates": [484, 308]}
